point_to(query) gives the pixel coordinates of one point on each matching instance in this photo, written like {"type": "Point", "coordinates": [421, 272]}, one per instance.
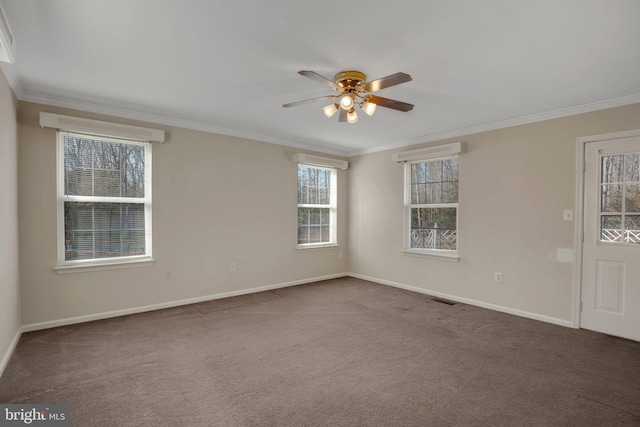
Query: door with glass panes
{"type": "Point", "coordinates": [611, 248]}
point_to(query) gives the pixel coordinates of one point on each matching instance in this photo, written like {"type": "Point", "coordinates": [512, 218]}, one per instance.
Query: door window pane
{"type": "Point", "coordinates": [620, 195]}
{"type": "Point", "coordinates": [632, 198]}
{"type": "Point", "coordinates": [611, 198]}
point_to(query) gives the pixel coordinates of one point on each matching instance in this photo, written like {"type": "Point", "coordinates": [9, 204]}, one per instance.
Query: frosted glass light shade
{"type": "Point", "coordinates": [346, 102]}
{"type": "Point", "coordinates": [352, 117]}
{"type": "Point", "coordinates": [330, 110]}
{"type": "Point", "coordinates": [369, 108]}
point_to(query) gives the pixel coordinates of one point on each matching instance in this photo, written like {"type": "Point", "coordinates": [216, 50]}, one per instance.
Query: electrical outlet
{"type": "Point", "coordinates": [168, 275]}
{"type": "Point", "coordinates": [340, 255]}
{"type": "Point", "coordinates": [232, 266]}
{"type": "Point", "coordinates": [497, 277]}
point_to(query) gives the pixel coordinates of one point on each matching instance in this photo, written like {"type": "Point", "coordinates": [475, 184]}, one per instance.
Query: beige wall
{"type": "Point", "coordinates": [216, 200]}
{"type": "Point", "coordinates": [220, 199]}
{"type": "Point", "coordinates": [9, 282]}
{"type": "Point", "coordinates": [514, 185]}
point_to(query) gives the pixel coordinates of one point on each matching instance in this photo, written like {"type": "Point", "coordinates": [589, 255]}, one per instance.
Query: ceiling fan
{"type": "Point", "coordinates": [353, 89]}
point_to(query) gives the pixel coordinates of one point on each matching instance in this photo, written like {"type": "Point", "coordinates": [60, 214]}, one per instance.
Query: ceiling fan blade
{"type": "Point", "coordinates": [390, 103]}
{"type": "Point", "coordinates": [392, 80]}
{"type": "Point", "coordinates": [320, 79]}
{"type": "Point", "coordinates": [343, 115]}
{"type": "Point", "coordinates": [308, 101]}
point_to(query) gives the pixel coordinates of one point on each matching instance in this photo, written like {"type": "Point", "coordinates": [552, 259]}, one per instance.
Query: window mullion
{"type": "Point", "coordinates": [100, 199]}
{"type": "Point", "coordinates": [307, 205]}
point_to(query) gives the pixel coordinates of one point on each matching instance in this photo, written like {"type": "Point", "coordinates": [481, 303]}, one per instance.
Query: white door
{"type": "Point", "coordinates": [611, 248]}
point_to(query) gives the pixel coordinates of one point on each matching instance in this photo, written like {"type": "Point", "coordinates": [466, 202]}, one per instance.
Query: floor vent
{"type": "Point", "coordinates": [444, 301]}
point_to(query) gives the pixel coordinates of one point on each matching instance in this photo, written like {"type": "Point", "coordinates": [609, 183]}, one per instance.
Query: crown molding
{"type": "Point", "coordinates": [501, 124]}
{"type": "Point", "coordinates": [96, 108]}
{"type": "Point", "coordinates": [92, 107]}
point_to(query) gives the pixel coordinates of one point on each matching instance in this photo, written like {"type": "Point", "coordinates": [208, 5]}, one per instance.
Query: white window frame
{"type": "Point", "coordinates": [332, 165]}
{"type": "Point", "coordinates": [436, 153]}
{"type": "Point", "coordinates": [113, 132]}
{"type": "Point", "coordinates": [332, 206]}
{"type": "Point", "coordinates": [62, 198]}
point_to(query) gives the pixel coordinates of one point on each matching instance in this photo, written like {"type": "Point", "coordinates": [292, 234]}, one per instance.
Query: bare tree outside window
{"type": "Point", "coordinates": [104, 198]}
{"type": "Point", "coordinates": [434, 204]}
{"type": "Point", "coordinates": [620, 199]}
{"type": "Point", "coordinates": [315, 205]}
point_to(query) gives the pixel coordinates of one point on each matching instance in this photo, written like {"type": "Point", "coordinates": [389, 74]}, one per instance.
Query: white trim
{"type": "Point", "coordinates": [142, 309]}
{"type": "Point", "coordinates": [326, 162]}
{"type": "Point", "coordinates": [408, 206]}
{"type": "Point", "coordinates": [92, 107]}
{"type": "Point", "coordinates": [502, 124]}
{"type": "Point", "coordinates": [317, 246]}
{"type": "Point", "coordinates": [63, 266]}
{"type": "Point", "coordinates": [578, 227]}
{"type": "Point", "coordinates": [332, 206]}
{"type": "Point", "coordinates": [609, 136]}
{"type": "Point", "coordinates": [430, 153]}
{"type": "Point", "coordinates": [107, 264]}
{"type": "Point", "coordinates": [444, 255]}
{"type": "Point", "coordinates": [100, 128]}
{"type": "Point", "coordinates": [482, 304]}
{"type": "Point", "coordinates": [307, 144]}
{"type": "Point", "coordinates": [10, 350]}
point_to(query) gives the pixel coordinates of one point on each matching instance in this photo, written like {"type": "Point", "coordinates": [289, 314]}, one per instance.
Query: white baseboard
{"type": "Point", "coordinates": [152, 307]}
{"type": "Point", "coordinates": [516, 312]}
{"type": "Point", "coordinates": [9, 352]}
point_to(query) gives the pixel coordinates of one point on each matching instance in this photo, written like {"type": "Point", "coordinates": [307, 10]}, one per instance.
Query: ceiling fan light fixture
{"type": "Point", "coordinates": [369, 108]}
{"type": "Point", "coordinates": [346, 102]}
{"type": "Point", "coordinates": [330, 110]}
{"type": "Point", "coordinates": [352, 117]}
{"type": "Point", "coordinates": [353, 89]}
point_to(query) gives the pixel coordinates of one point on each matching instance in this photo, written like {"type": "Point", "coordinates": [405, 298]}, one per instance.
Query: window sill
{"type": "Point", "coordinates": [317, 247]}
{"type": "Point", "coordinates": [445, 256]}
{"type": "Point", "coordinates": [82, 267]}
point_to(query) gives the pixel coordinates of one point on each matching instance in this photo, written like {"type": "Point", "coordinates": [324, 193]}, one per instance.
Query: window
{"type": "Point", "coordinates": [431, 199]}
{"type": "Point", "coordinates": [620, 199]}
{"type": "Point", "coordinates": [316, 205]}
{"type": "Point", "coordinates": [104, 200]}
{"type": "Point", "coordinates": [432, 205]}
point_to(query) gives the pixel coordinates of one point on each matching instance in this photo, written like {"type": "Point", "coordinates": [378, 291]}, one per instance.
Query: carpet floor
{"type": "Point", "coordinates": [344, 352]}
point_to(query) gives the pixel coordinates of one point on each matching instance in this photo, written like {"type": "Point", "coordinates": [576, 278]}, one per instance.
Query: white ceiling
{"type": "Point", "coordinates": [227, 66]}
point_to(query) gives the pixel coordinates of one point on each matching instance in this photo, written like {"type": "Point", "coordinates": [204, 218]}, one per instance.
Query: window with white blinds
{"type": "Point", "coordinates": [104, 199]}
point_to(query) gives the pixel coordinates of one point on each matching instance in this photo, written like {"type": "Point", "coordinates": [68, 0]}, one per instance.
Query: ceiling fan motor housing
{"type": "Point", "coordinates": [350, 79]}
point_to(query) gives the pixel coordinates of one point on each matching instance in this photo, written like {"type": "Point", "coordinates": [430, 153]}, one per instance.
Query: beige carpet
{"type": "Point", "coordinates": [344, 352]}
